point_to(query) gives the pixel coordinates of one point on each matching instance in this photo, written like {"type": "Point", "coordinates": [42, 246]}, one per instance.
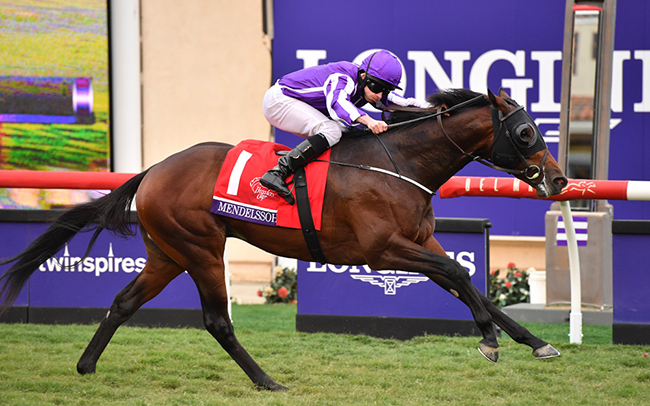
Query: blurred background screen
{"type": "Point", "coordinates": [54, 94]}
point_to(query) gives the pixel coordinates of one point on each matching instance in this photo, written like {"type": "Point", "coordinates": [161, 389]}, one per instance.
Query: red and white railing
{"type": "Point", "coordinates": [576, 189]}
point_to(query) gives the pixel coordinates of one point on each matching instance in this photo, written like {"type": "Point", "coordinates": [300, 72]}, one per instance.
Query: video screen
{"type": "Point", "coordinates": [54, 94]}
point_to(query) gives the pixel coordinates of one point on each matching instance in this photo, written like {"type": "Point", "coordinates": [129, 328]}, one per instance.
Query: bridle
{"type": "Point", "coordinates": [506, 125]}
{"type": "Point", "coordinates": [508, 138]}
{"type": "Point", "coordinates": [513, 126]}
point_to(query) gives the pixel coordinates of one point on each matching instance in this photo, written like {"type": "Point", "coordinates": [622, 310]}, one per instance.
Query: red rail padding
{"type": "Point", "coordinates": [455, 187]}
{"type": "Point", "coordinates": [63, 180]}
{"type": "Point", "coordinates": [512, 187]}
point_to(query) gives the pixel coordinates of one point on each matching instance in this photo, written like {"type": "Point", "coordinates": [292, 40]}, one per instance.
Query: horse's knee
{"type": "Point", "coordinates": [464, 282]}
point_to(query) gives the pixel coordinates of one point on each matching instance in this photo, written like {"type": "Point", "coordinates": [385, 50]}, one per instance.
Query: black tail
{"type": "Point", "coordinates": [110, 212]}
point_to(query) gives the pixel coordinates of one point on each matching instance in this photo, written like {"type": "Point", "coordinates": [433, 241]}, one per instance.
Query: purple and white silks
{"type": "Point", "coordinates": [333, 90]}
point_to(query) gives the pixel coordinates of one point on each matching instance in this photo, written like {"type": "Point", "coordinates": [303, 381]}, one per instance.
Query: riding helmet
{"type": "Point", "coordinates": [384, 68]}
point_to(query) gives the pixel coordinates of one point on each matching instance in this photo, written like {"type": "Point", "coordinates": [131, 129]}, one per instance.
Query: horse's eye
{"type": "Point", "coordinates": [525, 133]}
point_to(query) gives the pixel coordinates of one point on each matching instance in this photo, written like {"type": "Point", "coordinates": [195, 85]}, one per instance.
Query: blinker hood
{"type": "Point", "coordinates": [509, 143]}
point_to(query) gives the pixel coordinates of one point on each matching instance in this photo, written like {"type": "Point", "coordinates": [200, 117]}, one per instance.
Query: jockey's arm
{"type": "Point", "coordinates": [394, 98]}
{"type": "Point", "coordinates": [374, 125]}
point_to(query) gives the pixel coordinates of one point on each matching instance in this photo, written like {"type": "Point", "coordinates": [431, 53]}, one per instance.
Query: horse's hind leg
{"type": "Point", "coordinates": [211, 284]}
{"type": "Point", "coordinates": [157, 274]}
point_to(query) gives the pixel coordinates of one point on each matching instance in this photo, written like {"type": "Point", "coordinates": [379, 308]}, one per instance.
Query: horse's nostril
{"type": "Point", "coordinates": [560, 181]}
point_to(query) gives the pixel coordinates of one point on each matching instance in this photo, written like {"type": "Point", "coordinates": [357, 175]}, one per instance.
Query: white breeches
{"type": "Point", "coordinates": [297, 117]}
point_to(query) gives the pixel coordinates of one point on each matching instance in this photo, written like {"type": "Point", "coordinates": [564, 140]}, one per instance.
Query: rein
{"type": "Point", "coordinates": [438, 113]}
{"type": "Point", "coordinates": [397, 172]}
{"type": "Point", "coordinates": [531, 172]}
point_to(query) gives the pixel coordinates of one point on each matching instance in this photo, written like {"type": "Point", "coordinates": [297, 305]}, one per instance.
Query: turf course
{"type": "Point", "coordinates": [144, 366]}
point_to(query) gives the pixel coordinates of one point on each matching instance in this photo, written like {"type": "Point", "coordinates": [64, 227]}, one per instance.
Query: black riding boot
{"type": "Point", "coordinates": [302, 154]}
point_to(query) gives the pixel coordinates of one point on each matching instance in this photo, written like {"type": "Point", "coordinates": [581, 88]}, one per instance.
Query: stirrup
{"type": "Point", "coordinates": [288, 198]}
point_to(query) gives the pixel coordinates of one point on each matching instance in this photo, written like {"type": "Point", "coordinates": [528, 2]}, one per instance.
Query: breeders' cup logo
{"type": "Point", "coordinates": [261, 192]}
{"type": "Point", "coordinates": [390, 281]}
{"type": "Point", "coordinates": [93, 265]}
{"type": "Point", "coordinates": [583, 187]}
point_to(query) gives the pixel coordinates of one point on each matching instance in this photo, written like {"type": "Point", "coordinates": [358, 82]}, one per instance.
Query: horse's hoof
{"type": "Point", "coordinates": [85, 369]}
{"type": "Point", "coordinates": [546, 351]}
{"type": "Point", "coordinates": [279, 388]}
{"type": "Point", "coordinates": [272, 386]}
{"type": "Point", "coordinates": [490, 353]}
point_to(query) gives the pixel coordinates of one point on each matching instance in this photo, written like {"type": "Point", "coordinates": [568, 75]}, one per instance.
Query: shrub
{"type": "Point", "coordinates": [283, 288]}
{"type": "Point", "coordinates": [511, 289]}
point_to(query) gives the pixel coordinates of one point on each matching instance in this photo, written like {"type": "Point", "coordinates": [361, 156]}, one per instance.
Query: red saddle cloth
{"type": "Point", "coordinates": [238, 193]}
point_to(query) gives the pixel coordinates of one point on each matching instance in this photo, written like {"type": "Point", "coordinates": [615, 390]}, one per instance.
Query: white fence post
{"type": "Point", "coordinates": [575, 320]}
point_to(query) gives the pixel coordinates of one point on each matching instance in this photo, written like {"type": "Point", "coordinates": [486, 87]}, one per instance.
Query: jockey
{"type": "Point", "coordinates": [317, 103]}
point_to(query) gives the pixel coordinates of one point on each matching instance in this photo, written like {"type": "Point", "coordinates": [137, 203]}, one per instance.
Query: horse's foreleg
{"type": "Point", "coordinates": [541, 349]}
{"type": "Point", "coordinates": [488, 346]}
{"type": "Point", "coordinates": [214, 300]}
{"type": "Point", "coordinates": [463, 289]}
{"type": "Point", "coordinates": [151, 281]}
{"type": "Point", "coordinates": [519, 333]}
{"type": "Point", "coordinates": [402, 253]}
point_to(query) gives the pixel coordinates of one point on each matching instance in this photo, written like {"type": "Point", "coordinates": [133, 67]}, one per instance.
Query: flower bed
{"type": "Point", "coordinates": [283, 288]}
{"type": "Point", "coordinates": [510, 288]}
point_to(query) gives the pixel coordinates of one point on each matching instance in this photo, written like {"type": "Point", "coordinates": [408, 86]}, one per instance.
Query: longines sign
{"type": "Point", "coordinates": [361, 291]}
{"type": "Point", "coordinates": [481, 44]}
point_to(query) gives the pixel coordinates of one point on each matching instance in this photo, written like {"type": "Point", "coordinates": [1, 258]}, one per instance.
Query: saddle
{"type": "Point", "coordinates": [239, 195]}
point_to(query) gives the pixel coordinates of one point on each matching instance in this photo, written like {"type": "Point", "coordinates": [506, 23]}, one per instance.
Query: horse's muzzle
{"type": "Point", "coordinates": [557, 184]}
{"type": "Point", "coordinates": [551, 186]}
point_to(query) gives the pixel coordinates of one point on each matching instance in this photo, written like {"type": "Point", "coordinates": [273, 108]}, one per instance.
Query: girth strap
{"type": "Point", "coordinates": [305, 216]}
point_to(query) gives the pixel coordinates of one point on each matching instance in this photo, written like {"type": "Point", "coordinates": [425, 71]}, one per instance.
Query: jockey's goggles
{"type": "Point", "coordinates": [377, 87]}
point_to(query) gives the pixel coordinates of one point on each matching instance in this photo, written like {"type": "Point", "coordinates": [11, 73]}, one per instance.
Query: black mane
{"type": "Point", "coordinates": [449, 98]}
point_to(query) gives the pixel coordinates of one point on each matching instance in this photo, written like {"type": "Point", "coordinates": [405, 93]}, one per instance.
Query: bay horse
{"type": "Point", "coordinates": [368, 217]}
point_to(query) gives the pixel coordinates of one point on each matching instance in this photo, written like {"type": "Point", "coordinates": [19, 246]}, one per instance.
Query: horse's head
{"type": "Point", "coordinates": [519, 147]}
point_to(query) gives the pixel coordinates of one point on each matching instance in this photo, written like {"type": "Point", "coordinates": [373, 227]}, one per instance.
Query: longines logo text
{"type": "Point", "coordinates": [93, 265]}
{"type": "Point", "coordinates": [390, 281]}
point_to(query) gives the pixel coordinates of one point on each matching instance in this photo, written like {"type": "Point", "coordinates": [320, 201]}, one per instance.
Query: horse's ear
{"type": "Point", "coordinates": [498, 102]}
{"type": "Point", "coordinates": [503, 94]}
{"type": "Point", "coordinates": [492, 97]}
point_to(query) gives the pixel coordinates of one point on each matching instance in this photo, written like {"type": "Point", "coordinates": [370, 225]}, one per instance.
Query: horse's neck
{"type": "Point", "coordinates": [431, 158]}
